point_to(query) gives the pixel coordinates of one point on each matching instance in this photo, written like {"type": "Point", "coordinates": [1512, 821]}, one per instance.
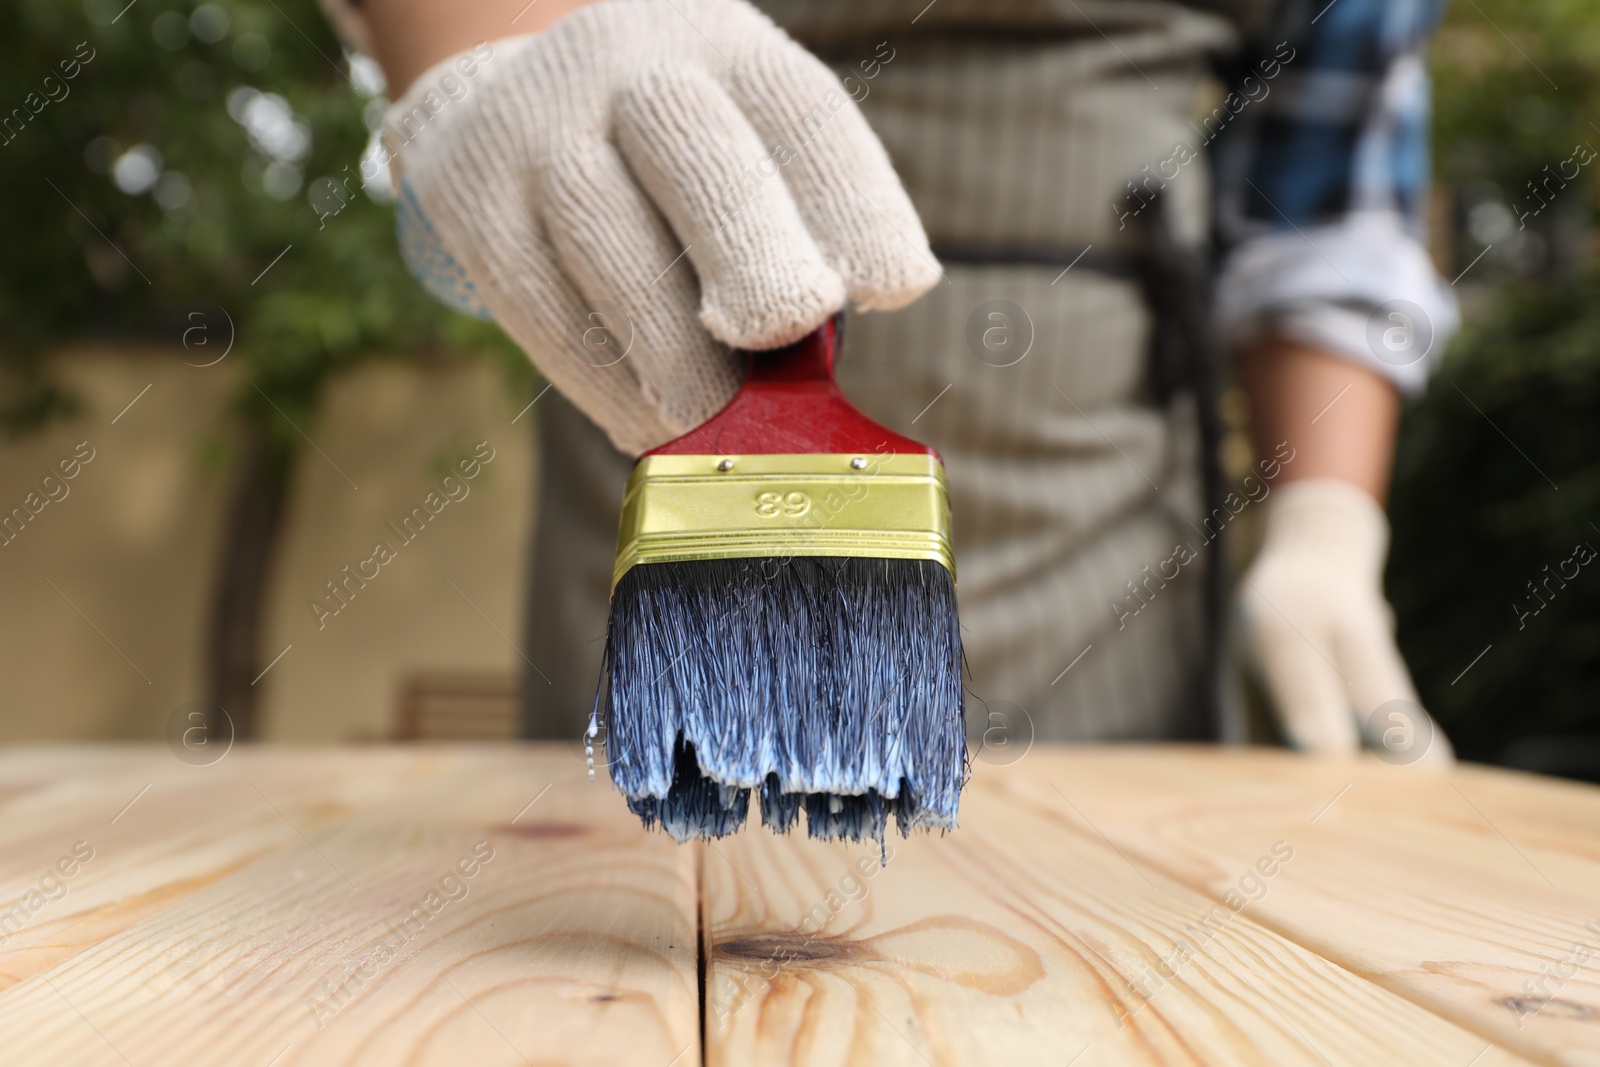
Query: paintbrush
{"type": "Point", "coordinates": [783, 619]}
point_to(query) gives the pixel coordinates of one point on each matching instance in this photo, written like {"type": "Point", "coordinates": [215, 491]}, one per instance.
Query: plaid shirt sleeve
{"type": "Point", "coordinates": [1321, 184]}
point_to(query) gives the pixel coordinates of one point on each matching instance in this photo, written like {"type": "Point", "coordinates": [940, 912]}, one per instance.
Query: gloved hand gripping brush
{"type": "Point", "coordinates": [783, 619]}
{"type": "Point", "coordinates": [682, 174]}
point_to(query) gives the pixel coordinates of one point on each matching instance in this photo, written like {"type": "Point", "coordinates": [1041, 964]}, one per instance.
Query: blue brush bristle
{"type": "Point", "coordinates": [779, 810]}
{"type": "Point", "coordinates": [695, 806]}
{"type": "Point", "coordinates": [832, 685]}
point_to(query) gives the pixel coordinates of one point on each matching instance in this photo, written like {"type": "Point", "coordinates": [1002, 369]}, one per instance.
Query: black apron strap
{"type": "Point", "coordinates": [1185, 357]}
{"type": "Point", "coordinates": [1114, 262]}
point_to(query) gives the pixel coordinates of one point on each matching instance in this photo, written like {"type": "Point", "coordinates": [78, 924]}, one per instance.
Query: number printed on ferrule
{"type": "Point", "coordinates": [777, 505]}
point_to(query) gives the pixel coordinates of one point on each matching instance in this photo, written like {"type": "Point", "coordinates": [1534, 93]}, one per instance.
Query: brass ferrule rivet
{"type": "Point", "coordinates": [859, 463]}
{"type": "Point", "coordinates": [725, 465]}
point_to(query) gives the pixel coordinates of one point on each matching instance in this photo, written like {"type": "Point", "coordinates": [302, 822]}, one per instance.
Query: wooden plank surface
{"type": "Point", "coordinates": [1474, 894]}
{"type": "Point", "coordinates": [1097, 906]}
{"type": "Point", "coordinates": [141, 834]}
{"type": "Point", "coordinates": [1026, 938]}
{"type": "Point", "coordinates": [317, 908]}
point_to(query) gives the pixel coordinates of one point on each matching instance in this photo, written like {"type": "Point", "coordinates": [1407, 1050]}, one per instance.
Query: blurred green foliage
{"type": "Point", "coordinates": [87, 258]}
{"type": "Point", "coordinates": [1517, 90]}
{"type": "Point", "coordinates": [1476, 521]}
{"type": "Point", "coordinates": [1515, 410]}
{"type": "Point", "coordinates": [1516, 85]}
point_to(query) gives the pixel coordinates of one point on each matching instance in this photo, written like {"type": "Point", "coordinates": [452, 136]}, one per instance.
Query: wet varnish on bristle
{"type": "Point", "coordinates": [828, 685]}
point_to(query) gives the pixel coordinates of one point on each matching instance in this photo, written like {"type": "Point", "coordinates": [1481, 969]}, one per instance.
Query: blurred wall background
{"type": "Point", "coordinates": [111, 588]}
{"type": "Point", "coordinates": [201, 291]}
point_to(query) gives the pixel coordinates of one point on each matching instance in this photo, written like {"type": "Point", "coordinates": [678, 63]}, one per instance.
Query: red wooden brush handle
{"type": "Point", "coordinates": [790, 404]}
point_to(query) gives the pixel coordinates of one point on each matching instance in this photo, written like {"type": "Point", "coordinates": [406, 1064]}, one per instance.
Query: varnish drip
{"type": "Point", "coordinates": [588, 741]}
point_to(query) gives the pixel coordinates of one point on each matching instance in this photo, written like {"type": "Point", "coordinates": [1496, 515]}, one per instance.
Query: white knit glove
{"type": "Point", "coordinates": [1321, 634]}
{"type": "Point", "coordinates": [558, 185]}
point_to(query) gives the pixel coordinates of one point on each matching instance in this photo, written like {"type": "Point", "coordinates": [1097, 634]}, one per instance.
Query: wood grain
{"type": "Point", "coordinates": [1097, 906]}
{"type": "Point", "coordinates": [1474, 894]}
{"type": "Point", "coordinates": [155, 830]}
{"type": "Point", "coordinates": [1026, 938]}
{"type": "Point", "coordinates": [572, 942]}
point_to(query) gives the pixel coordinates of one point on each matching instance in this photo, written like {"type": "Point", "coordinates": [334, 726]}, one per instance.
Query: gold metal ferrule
{"type": "Point", "coordinates": [742, 507]}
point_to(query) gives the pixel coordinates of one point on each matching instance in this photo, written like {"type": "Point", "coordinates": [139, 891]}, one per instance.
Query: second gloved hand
{"type": "Point", "coordinates": [1320, 632]}
{"type": "Point", "coordinates": [642, 186]}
